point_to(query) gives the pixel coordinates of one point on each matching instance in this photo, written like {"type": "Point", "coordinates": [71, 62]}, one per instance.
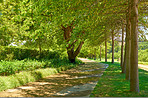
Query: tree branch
{"type": "Point", "coordinates": [78, 49]}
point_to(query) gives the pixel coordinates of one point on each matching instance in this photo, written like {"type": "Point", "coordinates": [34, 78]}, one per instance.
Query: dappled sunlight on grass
{"type": "Point", "coordinates": [113, 83]}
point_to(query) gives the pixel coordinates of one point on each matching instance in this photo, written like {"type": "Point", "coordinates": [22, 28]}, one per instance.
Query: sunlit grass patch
{"type": "Point", "coordinates": [144, 63]}
{"type": "Point", "coordinates": [113, 83]}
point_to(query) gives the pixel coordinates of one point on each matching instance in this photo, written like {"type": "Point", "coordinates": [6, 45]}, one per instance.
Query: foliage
{"type": "Point", "coordinates": [39, 23]}
{"type": "Point", "coordinates": [113, 83]}
{"type": "Point", "coordinates": [143, 45]}
{"type": "Point", "coordinates": [143, 55]}
{"type": "Point", "coordinates": [24, 77]}
{"type": "Point", "coordinates": [10, 53]}
{"type": "Point", "coordinates": [12, 67]}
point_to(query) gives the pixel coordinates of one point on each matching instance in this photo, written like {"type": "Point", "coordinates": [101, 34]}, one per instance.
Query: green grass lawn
{"type": "Point", "coordinates": [113, 83]}
{"type": "Point", "coordinates": [143, 63]}
{"type": "Point", "coordinates": [109, 60]}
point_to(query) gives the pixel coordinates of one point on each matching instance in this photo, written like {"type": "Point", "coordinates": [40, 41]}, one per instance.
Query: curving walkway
{"type": "Point", "coordinates": [76, 82]}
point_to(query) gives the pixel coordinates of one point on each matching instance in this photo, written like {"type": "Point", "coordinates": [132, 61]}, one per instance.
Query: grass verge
{"type": "Point", "coordinates": [113, 83]}
{"type": "Point", "coordinates": [109, 60]}
{"type": "Point", "coordinates": [18, 79]}
{"type": "Point", "coordinates": [144, 63]}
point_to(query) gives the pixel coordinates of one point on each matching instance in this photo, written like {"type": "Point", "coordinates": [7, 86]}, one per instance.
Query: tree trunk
{"type": "Point", "coordinates": [105, 48]}
{"type": "Point", "coordinates": [128, 43]}
{"type": "Point", "coordinates": [72, 54]}
{"type": "Point", "coordinates": [95, 54]}
{"type": "Point", "coordinates": [112, 46]}
{"type": "Point", "coordinates": [134, 79]}
{"type": "Point", "coordinates": [40, 49]}
{"type": "Point", "coordinates": [70, 49]}
{"type": "Point", "coordinates": [91, 56]}
{"type": "Point", "coordinates": [100, 52]}
{"type": "Point", "coordinates": [124, 61]}
{"type": "Point", "coordinates": [121, 64]}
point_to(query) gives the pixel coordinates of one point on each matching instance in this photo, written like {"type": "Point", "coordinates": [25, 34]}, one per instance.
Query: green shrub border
{"type": "Point", "coordinates": [18, 79]}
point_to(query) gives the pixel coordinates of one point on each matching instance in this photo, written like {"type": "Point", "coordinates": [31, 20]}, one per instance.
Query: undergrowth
{"type": "Point", "coordinates": [31, 75]}
{"type": "Point", "coordinates": [16, 66]}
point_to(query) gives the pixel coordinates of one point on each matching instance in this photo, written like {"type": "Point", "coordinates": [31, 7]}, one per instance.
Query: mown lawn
{"type": "Point", "coordinates": [143, 63]}
{"type": "Point", "coordinates": [113, 83]}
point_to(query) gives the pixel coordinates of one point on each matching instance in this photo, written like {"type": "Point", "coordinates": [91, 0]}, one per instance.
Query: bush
{"type": "Point", "coordinates": [12, 67]}
{"type": "Point", "coordinates": [24, 77]}
{"type": "Point", "coordinates": [11, 53]}
{"type": "Point", "coordinates": [143, 55]}
{"type": "Point", "coordinates": [29, 76]}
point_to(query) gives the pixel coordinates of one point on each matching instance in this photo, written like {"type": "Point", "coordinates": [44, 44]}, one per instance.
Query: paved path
{"type": "Point", "coordinates": [144, 67]}
{"type": "Point", "coordinates": [76, 82]}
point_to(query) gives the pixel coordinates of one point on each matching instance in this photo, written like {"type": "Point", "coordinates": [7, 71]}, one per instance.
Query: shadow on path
{"type": "Point", "coordinates": [76, 82]}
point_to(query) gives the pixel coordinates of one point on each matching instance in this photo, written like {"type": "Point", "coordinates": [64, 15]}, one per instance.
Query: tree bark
{"type": "Point", "coordinates": [134, 79]}
{"type": "Point", "coordinates": [72, 54]}
{"type": "Point", "coordinates": [40, 47]}
{"type": "Point", "coordinates": [95, 54]}
{"type": "Point", "coordinates": [124, 61]}
{"type": "Point", "coordinates": [100, 52]}
{"type": "Point", "coordinates": [105, 48]}
{"type": "Point", "coordinates": [128, 42]}
{"type": "Point", "coordinates": [121, 64]}
{"type": "Point", "coordinates": [112, 46]}
{"type": "Point", "coordinates": [70, 49]}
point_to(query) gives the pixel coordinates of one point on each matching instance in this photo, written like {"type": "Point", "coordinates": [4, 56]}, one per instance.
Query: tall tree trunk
{"type": "Point", "coordinates": [124, 61]}
{"type": "Point", "coordinates": [105, 47]}
{"type": "Point", "coordinates": [128, 42]}
{"type": "Point", "coordinates": [112, 46]}
{"type": "Point", "coordinates": [40, 49]}
{"type": "Point", "coordinates": [121, 64]}
{"type": "Point", "coordinates": [134, 79]}
{"type": "Point", "coordinates": [72, 54]}
{"type": "Point", "coordinates": [100, 52]}
{"type": "Point", "coordinates": [95, 53]}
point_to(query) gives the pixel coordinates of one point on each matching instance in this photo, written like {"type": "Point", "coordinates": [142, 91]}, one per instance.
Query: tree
{"type": "Point", "coordinates": [121, 64]}
{"type": "Point", "coordinates": [134, 77]}
{"type": "Point", "coordinates": [8, 28]}
{"type": "Point", "coordinates": [70, 49]}
{"type": "Point", "coordinates": [105, 47]}
{"type": "Point", "coordinates": [128, 41]}
{"type": "Point", "coordinates": [100, 52]}
{"type": "Point", "coordinates": [112, 46]}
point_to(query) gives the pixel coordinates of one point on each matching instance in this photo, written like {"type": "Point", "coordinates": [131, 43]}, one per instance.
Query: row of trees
{"type": "Point", "coordinates": [129, 63]}
{"type": "Point", "coordinates": [67, 24]}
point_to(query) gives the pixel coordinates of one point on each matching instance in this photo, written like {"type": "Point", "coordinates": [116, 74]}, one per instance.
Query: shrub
{"type": "Point", "coordinates": [143, 55]}
{"type": "Point", "coordinates": [29, 76]}
{"type": "Point", "coordinates": [10, 53]}
{"type": "Point", "coordinates": [12, 67]}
